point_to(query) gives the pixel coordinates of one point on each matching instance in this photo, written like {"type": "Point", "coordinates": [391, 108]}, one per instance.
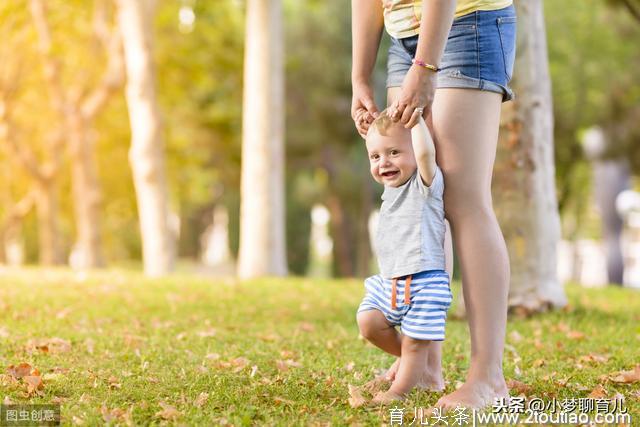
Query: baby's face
{"type": "Point", "coordinates": [391, 157]}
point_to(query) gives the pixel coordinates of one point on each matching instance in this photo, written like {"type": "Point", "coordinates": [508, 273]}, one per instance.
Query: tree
{"type": "Point", "coordinates": [78, 105]}
{"type": "Point", "coordinates": [524, 186]}
{"type": "Point", "coordinates": [146, 155]}
{"type": "Point", "coordinates": [262, 210]}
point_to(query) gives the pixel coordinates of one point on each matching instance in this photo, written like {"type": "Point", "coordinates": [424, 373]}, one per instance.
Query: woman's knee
{"type": "Point", "coordinates": [464, 204]}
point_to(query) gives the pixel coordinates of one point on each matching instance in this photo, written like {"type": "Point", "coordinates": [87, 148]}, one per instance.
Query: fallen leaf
{"type": "Point", "coordinates": [282, 400]}
{"type": "Point", "coordinates": [115, 414]}
{"type": "Point", "coordinates": [63, 313]}
{"type": "Point", "coordinates": [519, 387]}
{"type": "Point", "coordinates": [594, 358]}
{"type": "Point", "coordinates": [254, 371]}
{"type": "Point", "coordinates": [515, 337]}
{"type": "Point", "coordinates": [48, 345]}
{"type": "Point", "coordinates": [307, 327]}
{"type": "Point", "coordinates": [538, 363]}
{"type": "Point", "coordinates": [7, 401]}
{"type": "Point", "coordinates": [34, 384]}
{"type": "Point", "coordinates": [284, 365]}
{"type": "Point", "coordinates": [349, 367]}
{"type": "Point", "coordinates": [598, 393]}
{"type": "Point", "coordinates": [168, 412]}
{"type": "Point", "coordinates": [4, 332]}
{"type": "Point", "coordinates": [201, 399]}
{"type": "Point", "coordinates": [627, 377]}
{"type": "Point", "coordinates": [575, 335]}
{"type": "Point", "coordinates": [356, 399]}
{"type": "Point", "coordinates": [114, 383]}
{"type": "Point", "coordinates": [211, 332]}
{"type": "Point", "coordinates": [22, 370]}
{"type": "Point", "coordinates": [212, 356]}
{"type": "Point", "coordinates": [240, 363]}
{"type": "Point", "coordinates": [287, 354]}
{"type": "Point", "coordinates": [269, 337]}
{"type": "Point", "coordinates": [89, 344]}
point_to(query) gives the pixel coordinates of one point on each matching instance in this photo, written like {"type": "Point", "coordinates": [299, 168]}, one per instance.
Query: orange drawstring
{"type": "Point", "coordinates": [407, 291]}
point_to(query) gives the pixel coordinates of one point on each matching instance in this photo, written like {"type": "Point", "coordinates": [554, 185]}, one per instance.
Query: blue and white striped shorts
{"type": "Point", "coordinates": [430, 297]}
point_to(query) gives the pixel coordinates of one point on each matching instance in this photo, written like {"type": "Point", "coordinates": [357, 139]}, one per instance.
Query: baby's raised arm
{"type": "Point", "coordinates": [424, 150]}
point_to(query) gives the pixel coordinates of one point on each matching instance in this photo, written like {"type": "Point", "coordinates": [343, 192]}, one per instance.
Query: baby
{"type": "Point", "coordinates": [412, 289]}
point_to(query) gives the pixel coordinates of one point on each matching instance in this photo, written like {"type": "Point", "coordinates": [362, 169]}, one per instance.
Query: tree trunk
{"type": "Point", "coordinates": [86, 196]}
{"type": "Point", "coordinates": [524, 176]}
{"type": "Point", "coordinates": [146, 155]}
{"type": "Point", "coordinates": [262, 214]}
{"type": "Point", "coordinates": [48, 229]}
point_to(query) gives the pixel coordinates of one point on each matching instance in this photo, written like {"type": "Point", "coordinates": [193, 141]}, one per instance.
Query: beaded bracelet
{"type": "Point", "coordinates": [425, 65]}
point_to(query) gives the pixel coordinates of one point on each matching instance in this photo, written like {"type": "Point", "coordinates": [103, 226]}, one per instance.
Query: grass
{"type": "Point", "coordinates": [275, 352]}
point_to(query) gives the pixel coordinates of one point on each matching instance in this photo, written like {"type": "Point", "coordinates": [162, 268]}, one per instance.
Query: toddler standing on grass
{"type": "Point", "coordinates": [412, 289]}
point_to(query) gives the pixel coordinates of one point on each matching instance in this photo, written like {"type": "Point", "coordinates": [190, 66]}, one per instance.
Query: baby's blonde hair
{"type": "Point", "coordinates": [382, 123]}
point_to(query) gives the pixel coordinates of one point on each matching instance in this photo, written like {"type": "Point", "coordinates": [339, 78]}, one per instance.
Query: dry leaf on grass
{"type": "Point", "coordinates": [627, 377]}
{"type": "Point", "coordinates": [114, 383]}
{"type": "Point", "coordinates": [598, 393]}
{"type": "Point", "coordinates": [538, 363]}
{"type": "Point", "coordinates": [283, 400]}
{"type": "Point", "coordinates": [284, 365]}
{"type": "Point", "coordinates": [594, 358]}
{"type": "Point", "coordinates": [356, 399]}
{"type": "Point", "coordinates": [23, 369]}
{"type": "Point", "coordinates": [48, 345]}
{"type": "Point", "coordinates": [29, 375]}
{"type": "Point", "coordinates": [201, 399]}
{"type": "Point", "coordinates": [168, 412]}
{"type": "Point", "coordinates": [115, 414]}
{"type": "Point", "coordinates": [240, 363]}
{"type": "Point", "coordinates": [519, 387]}
{"type": "Point", "coordinates": [515, 337]}
{"type": "Point", "coordinates": [211, 332]}
{"type": "Point", "coordinates": [575, 335]}
{"type": "Point", "coordinates": [307, 327]}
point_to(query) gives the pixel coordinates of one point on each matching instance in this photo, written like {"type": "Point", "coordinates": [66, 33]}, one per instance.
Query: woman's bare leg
{"type": "Point", "coordinates": [466, 124]}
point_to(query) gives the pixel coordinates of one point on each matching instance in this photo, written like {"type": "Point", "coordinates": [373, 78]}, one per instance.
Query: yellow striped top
{"type": "Point", "coordinates": [402, 17]}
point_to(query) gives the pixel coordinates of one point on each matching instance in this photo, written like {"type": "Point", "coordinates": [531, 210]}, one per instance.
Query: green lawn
{"type": "Point", "coordinates": [196, 351]}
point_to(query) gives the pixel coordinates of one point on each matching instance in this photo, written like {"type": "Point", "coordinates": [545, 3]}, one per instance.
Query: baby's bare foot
{"type": "Point", "coordinates": [431, 382]}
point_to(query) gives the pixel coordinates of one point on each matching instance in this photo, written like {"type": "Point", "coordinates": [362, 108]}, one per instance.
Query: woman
{"type": "Point", "coordinates": [451, 63]}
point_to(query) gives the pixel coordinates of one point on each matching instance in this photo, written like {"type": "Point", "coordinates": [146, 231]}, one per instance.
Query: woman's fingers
{"type": "Point", "coordinates": [415, 117]}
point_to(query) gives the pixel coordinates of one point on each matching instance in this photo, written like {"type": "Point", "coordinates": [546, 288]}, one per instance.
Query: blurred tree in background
{"type": "Point", "coordinates": [199, 47]}
{"type": "Point", "coordinates": [595, 70]}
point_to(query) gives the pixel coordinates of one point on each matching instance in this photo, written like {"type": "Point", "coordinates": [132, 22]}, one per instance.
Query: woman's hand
{"type": "Point", "coordinates": [418, 90]}
{"type": "Point", "coordinates": [363, 108]}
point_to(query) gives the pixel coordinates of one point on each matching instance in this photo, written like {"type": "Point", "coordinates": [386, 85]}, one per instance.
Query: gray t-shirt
{"type": "Point", "coordinates": [410, 236]}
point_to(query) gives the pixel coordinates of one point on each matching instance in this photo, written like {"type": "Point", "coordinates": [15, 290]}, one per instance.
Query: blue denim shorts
{"type": "Point", "coordinates": [479, 53]}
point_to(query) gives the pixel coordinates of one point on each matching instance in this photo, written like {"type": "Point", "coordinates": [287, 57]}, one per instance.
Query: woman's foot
{"type": "Point", "coordinates": [474, 394]}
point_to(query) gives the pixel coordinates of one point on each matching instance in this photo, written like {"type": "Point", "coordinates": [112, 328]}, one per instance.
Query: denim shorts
{"type": "Point", "coordinates": [479, 53]}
